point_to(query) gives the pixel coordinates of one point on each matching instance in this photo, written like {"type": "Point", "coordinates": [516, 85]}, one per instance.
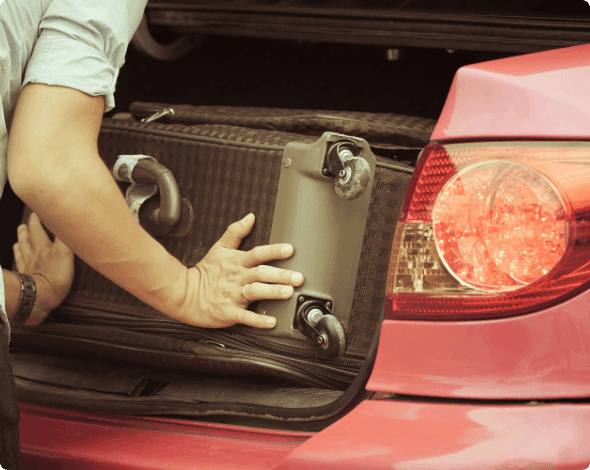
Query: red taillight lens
{"type": "Point", "coordinates": [491, 230]}
{"type": "Point", "coordinates": [499, 225]}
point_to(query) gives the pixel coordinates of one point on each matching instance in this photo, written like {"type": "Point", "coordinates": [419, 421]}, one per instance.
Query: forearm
{"type": "Point", "coordinates": [85, 209]}
{"type": "Point", "coordinates": [62, 179]}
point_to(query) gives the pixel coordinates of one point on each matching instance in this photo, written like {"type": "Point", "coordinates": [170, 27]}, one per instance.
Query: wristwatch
{"type": "Point", "coordinates": [28, 295]}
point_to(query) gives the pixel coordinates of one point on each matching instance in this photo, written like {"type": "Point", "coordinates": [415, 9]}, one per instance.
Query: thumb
{"type": "Point", "coordinates": [236, 232]}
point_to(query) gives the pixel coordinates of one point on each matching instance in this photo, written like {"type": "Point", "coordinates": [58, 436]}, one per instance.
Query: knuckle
{"type": "Point", "coordinates": [245, 317]}
{"type": "Point", "coordinates": [280, 290]}
{"type": "Point", "coordinates": [231, 230]}
{"type": "Point", "coordinates": [258, 253]}
{"type": "Point", "coordinates": [247, 290]}
{"type": "Point", "coordinates": [286, 276]}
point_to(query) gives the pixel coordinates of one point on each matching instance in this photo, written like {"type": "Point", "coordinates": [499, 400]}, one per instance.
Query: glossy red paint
{"type": "Point", "coordinates": [535, 96]}
{"type": "Point", "coordinates": [540, 355]}
{"type": "Point", "coordinates": [433, 436]}
{"type": "Point", "coordinates": [53, 439]}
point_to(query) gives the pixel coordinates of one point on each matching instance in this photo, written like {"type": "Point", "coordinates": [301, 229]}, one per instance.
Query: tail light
{"type": "Point", "coordinates": [491, 230]}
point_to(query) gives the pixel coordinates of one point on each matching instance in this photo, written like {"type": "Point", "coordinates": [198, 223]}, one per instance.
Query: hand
{"type": "Point", "coordinates": [217, 283]}
{"type": "Point", "coordinates": [51, 265]}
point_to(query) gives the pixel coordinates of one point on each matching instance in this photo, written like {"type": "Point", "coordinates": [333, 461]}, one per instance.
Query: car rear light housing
{"type": "Point", "coordinates": [490, 230]}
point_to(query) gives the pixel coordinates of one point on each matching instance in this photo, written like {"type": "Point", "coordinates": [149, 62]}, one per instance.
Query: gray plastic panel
{"type": "Point", "coordinates": [326, 231]}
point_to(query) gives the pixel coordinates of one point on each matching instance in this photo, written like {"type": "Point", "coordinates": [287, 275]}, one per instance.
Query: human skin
{"type": "Point", "coordinates": [50, 264]}
{"type": "Point", "coordinates": [55, 168]}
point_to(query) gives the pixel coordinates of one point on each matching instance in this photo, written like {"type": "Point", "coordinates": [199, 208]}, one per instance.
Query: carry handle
{"type": "Point", "coordinates": [148, 171]}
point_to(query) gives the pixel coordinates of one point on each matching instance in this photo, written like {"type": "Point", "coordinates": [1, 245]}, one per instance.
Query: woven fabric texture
{"type": "Point", "coordinates": [224, 181]}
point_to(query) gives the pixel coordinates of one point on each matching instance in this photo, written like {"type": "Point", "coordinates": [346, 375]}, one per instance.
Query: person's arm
{"type": "Point", "coordinates": [50, 264]}
{"type": "Point", "coordinates": [12, 290]}
{"type": "Point", "coordinates": [54, 167]}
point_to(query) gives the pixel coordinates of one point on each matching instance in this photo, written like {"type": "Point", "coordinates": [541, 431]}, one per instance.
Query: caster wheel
{"type": "Point", "coordinates": [332, 335]}
{"type": "Point", "coordinates": [352, 181]}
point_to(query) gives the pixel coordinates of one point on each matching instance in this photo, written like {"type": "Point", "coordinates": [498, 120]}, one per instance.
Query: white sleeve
{"type": "Point", "coordinates": [82, 45]}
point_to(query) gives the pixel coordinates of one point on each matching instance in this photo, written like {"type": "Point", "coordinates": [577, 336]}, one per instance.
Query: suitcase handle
{"type": "Point", "coordinates": [149, 172]}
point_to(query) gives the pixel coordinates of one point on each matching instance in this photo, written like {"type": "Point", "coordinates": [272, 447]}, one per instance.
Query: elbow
{"type": "Point", "coordinates": [32, 178]}
{"type": "Point", "coordinates": [17, 176]}
{"type": "Point", "coordinates": [21, 174]}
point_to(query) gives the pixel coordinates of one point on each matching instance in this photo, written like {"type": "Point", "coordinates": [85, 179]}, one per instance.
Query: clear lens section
{"type": "Point", "coordinates": [419, 266]}
{"type": "Point", "coordinates": [499, 225]}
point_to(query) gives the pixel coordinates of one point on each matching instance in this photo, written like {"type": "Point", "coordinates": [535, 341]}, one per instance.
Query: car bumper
{"type": "Point", "coordinates": [377, 434]}
{"type": "Point", "coordinates": [407, 435]}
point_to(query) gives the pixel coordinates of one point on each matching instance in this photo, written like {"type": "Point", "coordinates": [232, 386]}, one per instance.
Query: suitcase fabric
{"type": "Point", "coordinates": [227, 162]}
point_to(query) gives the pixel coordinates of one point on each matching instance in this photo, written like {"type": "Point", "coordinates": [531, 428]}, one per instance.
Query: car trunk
{"type": "Point", "coordinates": [104, 351]}
{"type": "Point", "coordinates": [507, 26]}
{"type": "Point", "coordinates": [51, 376]}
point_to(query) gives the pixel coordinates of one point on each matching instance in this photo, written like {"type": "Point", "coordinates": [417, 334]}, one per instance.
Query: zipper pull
{"type": "Point", "coordinates": [158, 115]}
{"type": "Point", "coordinates": [213, 343]}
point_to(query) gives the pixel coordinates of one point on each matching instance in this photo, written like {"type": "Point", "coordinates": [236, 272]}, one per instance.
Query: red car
{"type": "Point", "coordinates": [483, 357]}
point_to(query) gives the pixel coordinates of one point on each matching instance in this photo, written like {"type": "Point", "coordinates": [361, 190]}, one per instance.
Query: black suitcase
{"type": "Point", "coordinates": [331, 183]}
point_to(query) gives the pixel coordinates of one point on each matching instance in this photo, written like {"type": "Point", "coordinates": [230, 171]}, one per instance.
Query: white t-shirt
{"type": "Point", "coordinates": [79, 44]}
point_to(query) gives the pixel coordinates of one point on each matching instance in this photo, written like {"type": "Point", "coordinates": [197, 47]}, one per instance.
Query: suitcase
{"type": "Point", "coordinates": [329, 182]}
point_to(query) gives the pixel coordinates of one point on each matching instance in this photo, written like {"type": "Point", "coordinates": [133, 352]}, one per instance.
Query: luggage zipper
{"type": "Point", "coordinates": [158, 115]}
{"type": "Point", "coordinates": [221, 339]}
{"type": "Point", "coordinates": [336, 376]}
{"type": "Point", "coordinates": [217, 338]}
{"type": "Point", "coordinates": [329, 373]}
{"type": "Point", "coordinates": [213, 343]}
{"type": "Point", "coordinates": [265, 345]}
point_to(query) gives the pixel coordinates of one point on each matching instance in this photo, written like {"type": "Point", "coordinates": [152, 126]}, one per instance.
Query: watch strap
{"type": "Point", "coordinates": [27, 299]}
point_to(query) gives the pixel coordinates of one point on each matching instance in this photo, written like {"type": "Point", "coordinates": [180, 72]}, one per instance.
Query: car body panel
{"type": "Point", "coordinates": [403, 435]}
{"type": "Point", "coordinates": [54, 439]}
{"type": "Point", "coordinates": [536, 356]}
{"type": "Point", "coordinates": [377, 434]}
{"type": "Point", "coordinates": [535, 96]}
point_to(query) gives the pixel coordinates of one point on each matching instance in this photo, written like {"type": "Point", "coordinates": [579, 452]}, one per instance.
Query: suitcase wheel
{"type": "Point", "coordinates": [352, 173]}
{"type": "Point", "coordinates": [315, 320]}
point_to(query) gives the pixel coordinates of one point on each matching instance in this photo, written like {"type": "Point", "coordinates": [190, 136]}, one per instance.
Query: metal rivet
{"type": "Point", "coordinates": [320, 340]}
{"type": "Point", "coordinates": [287, 162]}
{"type": "Point", "coordinates": [325, 171]}
{"type": "Point", "coordinates": [329, 304]}
{"type": "Point", "coordinates": [301, 298]}
{"type": "Point", "coordinates": [262, 311]}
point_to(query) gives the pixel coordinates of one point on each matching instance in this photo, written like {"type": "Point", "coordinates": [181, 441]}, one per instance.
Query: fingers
{"type": "Point", "coordinates": [18, 258]}
{"type": "Point", "coordinates": [236, 232]}
{"type": "Point", "coordinates": [249, 318]}
{"type": "Point", "coordinates": [262, 254]}
{"type": "Point", "coordinates": [260, 291]}
{"type": "Point", "coordinates": [24, 241]}
{"type": "Point", "coordinates": [37, 233]}
{"type": "Point", "coordinates": [273, 275]}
